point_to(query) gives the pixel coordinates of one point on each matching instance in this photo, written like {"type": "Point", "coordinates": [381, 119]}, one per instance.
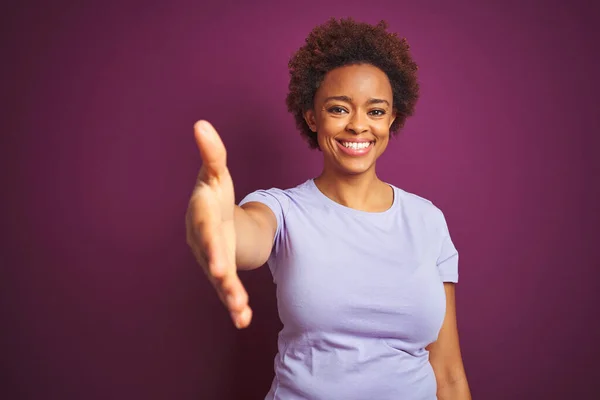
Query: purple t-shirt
{"type": "Point", "coordinates": [360, 295]}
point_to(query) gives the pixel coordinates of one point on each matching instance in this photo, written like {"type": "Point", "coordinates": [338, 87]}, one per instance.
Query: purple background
{"type": "Point", "coordinates": [100, 296]}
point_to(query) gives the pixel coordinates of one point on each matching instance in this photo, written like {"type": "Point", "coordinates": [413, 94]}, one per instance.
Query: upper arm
{"type": "Point", "coordinates": [447, 260]}
{"type": "Point", "coordinates": [444, 354]}
{"type": "Point", "coordinates": [264, 217]}
{"type": "Point", "coordinates": [262, 222]}
{"type": "Point", "coordinates": [255, 226]}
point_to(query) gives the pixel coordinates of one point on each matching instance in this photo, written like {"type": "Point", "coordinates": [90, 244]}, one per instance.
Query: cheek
{"type": "Point", "coordinates": [331, 125]}
{"type": "Point", "coordinates": [383, 146]}
{"type": "Point", "coordinates": [321, 137]}
{"type": "Point", "coordinates": [383, 139]}
{"type": "Point", "coordinates": [325, 140]}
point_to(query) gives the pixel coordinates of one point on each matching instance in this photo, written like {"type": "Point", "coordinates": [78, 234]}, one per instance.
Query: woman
{"type": "Point", "coordinates": [365, 271]}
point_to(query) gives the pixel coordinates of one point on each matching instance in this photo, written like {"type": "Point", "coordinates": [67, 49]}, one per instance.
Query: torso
{"type": "Point", "coordinates": [360, 298]}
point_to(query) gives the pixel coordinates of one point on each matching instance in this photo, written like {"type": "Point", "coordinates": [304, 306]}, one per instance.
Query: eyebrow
{"type": "Point", "coordinates": [349, 100]}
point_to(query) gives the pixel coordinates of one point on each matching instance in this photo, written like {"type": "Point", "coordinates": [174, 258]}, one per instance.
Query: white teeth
{"type": "Point", "coordinates": [355, 145]}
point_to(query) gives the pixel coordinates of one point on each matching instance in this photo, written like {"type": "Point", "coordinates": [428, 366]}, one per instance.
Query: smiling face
{"type": "Point", "coordinates": [352, 116]}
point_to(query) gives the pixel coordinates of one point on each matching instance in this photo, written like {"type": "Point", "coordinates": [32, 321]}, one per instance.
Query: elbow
{"type": "Point", "coordinates": [452, 385]}
{"type": "Point", "coordinates": [451, 379]}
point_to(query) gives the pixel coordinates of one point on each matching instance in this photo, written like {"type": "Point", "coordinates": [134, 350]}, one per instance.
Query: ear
{"type": "Point", "coordinates": [392, 119]}
{"type": "Point", "coordinates": [311, 121]}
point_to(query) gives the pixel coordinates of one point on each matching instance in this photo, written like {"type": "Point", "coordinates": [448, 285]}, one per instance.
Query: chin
{"type": "Point", "coordinates": [349, 169]}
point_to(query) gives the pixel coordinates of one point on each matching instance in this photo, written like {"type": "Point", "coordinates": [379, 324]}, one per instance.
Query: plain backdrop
{"type": "Point", "coordinates": [100, 298]}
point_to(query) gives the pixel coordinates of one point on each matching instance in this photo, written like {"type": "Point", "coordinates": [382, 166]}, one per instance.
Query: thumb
{"type": "Point", "coordinates": [212, 150]}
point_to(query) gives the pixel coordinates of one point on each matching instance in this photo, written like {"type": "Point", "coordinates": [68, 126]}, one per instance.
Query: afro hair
{"type": "Point", "coordinates": [338, 43]}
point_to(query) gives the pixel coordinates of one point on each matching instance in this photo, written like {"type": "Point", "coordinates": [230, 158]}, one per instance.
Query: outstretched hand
{"type": "Point", "coordinates": [210, 226]}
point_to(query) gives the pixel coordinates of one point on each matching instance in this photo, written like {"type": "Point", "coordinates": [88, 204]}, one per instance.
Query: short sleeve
{"type": "Point", "coordinates": [277, 201]}
{"type": "Point", "coordinates": [447, 261]}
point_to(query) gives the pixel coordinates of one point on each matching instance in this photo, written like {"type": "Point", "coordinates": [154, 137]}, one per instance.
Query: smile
{"type": "Point", "coordinates": [354, 148]}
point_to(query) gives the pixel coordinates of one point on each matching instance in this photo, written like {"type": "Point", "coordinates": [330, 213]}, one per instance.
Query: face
{"type": "Point", "coordinates": [352, 116]}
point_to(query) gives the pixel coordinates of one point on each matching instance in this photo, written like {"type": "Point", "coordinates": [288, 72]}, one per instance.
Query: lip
{"type": "Point", "coordinates": [355, 152]}
{"type": "Point", "coordinates": [354, 140]}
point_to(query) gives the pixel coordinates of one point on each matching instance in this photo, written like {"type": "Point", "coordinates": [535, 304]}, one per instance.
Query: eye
{"type": "Point", "coordinates": [377, 113]}
{"type": "Point", "coordinates": [337, 110]}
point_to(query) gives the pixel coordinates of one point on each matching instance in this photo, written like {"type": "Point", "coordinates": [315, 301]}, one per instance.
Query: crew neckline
{"type": "Point", "coordinates": [332, 203]}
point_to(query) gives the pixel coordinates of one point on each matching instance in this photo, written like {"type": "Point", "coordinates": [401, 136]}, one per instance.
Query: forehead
{"type": "Point", "coordinates": [356, 81]}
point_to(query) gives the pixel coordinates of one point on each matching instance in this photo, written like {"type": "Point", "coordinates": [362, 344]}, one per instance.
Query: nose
{"type": "Point", "coordinates": [357, 124]}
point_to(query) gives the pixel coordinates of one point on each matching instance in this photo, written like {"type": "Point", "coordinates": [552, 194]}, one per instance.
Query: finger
{"type": "Point", "coordinates": [213, 243]}
{"type": "Point", "coordinates": [224, 278]}
{"type": "Point", "coordinates": [208, 240]}
{"type": "Point", "coordinates": [212, 149]}
{"type": "Point", "coordinates": [235, 296]}
{"type": "Point", "coordinates": [242, 319]}
{"type": "Point", "coordinates": [232, 293]}
{"type": "Point", "coordinates": [237, 302]}
{"type": "Point", "coordinates": [224, 272]}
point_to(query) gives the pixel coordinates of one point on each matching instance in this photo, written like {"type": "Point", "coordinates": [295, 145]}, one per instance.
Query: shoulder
{"type": "Point", "coordinates": [289, 193]}
{"type": "Point", "coordinates": [413, 205]}
{"type": "Point", "coordinates": [282, 196]}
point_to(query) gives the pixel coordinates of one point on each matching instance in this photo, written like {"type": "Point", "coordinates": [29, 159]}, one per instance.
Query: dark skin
{"type": "Point", "coordinates": [353, 103]}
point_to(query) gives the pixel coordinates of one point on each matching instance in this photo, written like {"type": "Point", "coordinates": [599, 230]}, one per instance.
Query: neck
{"type": "Point", "coordinates": [365, 192]}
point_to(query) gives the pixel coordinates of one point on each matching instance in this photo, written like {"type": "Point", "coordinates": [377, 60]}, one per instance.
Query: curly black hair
{"type": "Point", "coordinates": [345, 42]}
